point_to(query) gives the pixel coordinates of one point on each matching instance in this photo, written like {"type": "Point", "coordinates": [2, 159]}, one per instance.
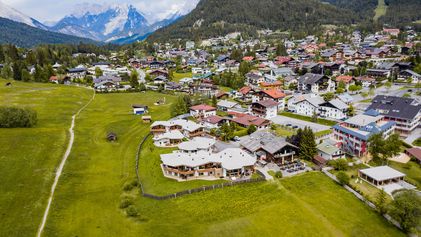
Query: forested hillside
{"type": "Point", "coordinates": [23, 35]}
{"type": "Point", "coordinates": [218, 17]}
{"type": "Point", "coordinates": [402, 12]}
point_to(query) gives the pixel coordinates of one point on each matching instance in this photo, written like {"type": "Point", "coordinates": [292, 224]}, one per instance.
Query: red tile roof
{"type": "Point", "coordinates": [282, 59]}
{"type": "Point", "coordinates": [248, 58]}
{"type": "Point", "coordinates": [267, 103]}
{"type": "Point", "coordinates": [214, 119]}
{"type": "Point", "coordinates": [415, 152]}
{"type": "Point", "coordinates": [203, 107]}
{"type": "Point", "coordinates": [266, 84]}
{"type": "Point", "coordinates": [344, 78]}
{"type": "Point", "coordinates": [247, 120]}
{"type": "Point", "coordinates": [275, 93]}
{"type": "Point", "coordinates": [245, 90]}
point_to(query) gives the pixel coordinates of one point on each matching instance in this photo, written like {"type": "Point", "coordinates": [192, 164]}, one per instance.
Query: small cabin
{"type": "Point", "coordinates": [146, 119]}
{"type": "Point", "coordinates": [140, 109]}
{"type": "Point", "coordinates": [111, 137]}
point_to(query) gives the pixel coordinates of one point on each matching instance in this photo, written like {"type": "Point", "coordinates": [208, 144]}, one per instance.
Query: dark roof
{"type": "Point", "coordinates": [396, 107]}
{"type": "Point", "coordinates": [310, 78]}
{"type": "Point", "coordinates": [74, 70]}
{"type": "Point", "coordinates": [267, 103]}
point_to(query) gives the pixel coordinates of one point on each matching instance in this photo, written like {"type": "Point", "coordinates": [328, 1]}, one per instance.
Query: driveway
{"type": "Point", "coordinates": [282, 120]}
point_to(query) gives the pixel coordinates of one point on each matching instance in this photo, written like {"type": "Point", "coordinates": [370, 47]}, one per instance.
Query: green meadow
{"type": "Point", "coordinates": [88, 195]}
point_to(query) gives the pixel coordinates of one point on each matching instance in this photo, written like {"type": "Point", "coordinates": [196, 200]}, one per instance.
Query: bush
{"type": "Point", "coordinates": [12, 117]}
{"type": "Point", "coordinates": [340, 164]}
{"type": "Point", "coordinates": [126, 202]}
{"type": "Point", "coordinates": [131, 211]}
{"type": "Point", "coordinates": [343, 178]}
{"type": "Point", "coordinates": [278, 174]}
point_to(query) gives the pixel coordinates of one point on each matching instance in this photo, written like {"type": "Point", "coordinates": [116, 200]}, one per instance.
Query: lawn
{"type": "Point", "coordinates": [89, 192]}
{"type": "Point", "coordinates": [150, 173]}
{"type": "Point", "coordinates": [412, 171]}
{"type": "Point", "coordinates": [29, 156]}
{"type": "Point", "coordinates": [369, 191]}
{"type": "Point", "coordinates": [417, 142]}
{"type": "Point", "coordinates": [380, 10]}
{"type": "Point", "coordinates": [284, 132]}
{"type": "Point", "coordinates": [178, 76]}
{"type": "Point", "coordinates": [307, 205]}
{"type": "Point", "coordinates": [308, 119]}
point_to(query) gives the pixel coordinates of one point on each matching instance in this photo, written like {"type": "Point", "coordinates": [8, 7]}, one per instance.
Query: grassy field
{"type": "Point", "coordinates": [29, 156]}
{"type": "Point", "coordinates": [412, 171]}
{"type": "Point", "coordinates": [150, 173]}
{"type": "Point", "coordinates": [417, 142]}
{"type": "Point", "coordinates": [380, 10]}
{"type": "Point", "coordinates": [309, 119]}
{"type": "Point", "coordinates": [179, 76]}
{"type": "Point", "coordinates": [90, 190]}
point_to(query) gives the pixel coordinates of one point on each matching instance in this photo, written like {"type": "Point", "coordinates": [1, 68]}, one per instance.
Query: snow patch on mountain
{"type": "Point", "coordinates": [15, 15]}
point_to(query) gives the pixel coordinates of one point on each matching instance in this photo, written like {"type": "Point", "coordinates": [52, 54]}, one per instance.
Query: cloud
{"type": "Point", "coordinates": [53, 10]}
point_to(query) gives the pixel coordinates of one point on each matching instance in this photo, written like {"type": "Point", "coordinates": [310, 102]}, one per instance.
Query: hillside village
{"type": "Point", "coordinates": [345, 104]}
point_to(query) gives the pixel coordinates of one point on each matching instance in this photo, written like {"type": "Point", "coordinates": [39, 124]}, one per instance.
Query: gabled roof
{"type": "Point", "coordinates": [344, 78]}
{"type": "Point", "coordinates": [203, 107]}
{"type": "Point", "coordinates": [337, 103]}
{"type": "Point", "coordinates": [267, 103]}
{"type": "Point", "coordinates": [274, 93]}
{"type": "Point", "coordinates": [310, 78]}
{"type": "Point", "coordinates": [264, 140]}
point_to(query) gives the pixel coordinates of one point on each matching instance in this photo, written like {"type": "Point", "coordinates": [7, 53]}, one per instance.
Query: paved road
{"type": "Point", "coordinates": [414, 136]}
{"type": "Point", "coordinates": [282, 120]}
{"type": "Point", "coordinates": [61, 166]}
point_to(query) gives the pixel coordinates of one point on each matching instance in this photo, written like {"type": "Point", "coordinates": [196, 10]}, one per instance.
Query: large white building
{"type": "Point", "coordinates": [197, 160]}
{"type": "Point", "coordinates": [353, 134]}
{"type": "Point", "coordinates": [173, 132]}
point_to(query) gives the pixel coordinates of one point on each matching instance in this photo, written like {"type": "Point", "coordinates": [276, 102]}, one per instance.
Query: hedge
{"type": "Point", "coordinates": [13, 117]}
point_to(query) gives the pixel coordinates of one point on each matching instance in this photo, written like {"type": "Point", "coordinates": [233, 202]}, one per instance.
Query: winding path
{"type": "Point", "coordinates": [61, 166]}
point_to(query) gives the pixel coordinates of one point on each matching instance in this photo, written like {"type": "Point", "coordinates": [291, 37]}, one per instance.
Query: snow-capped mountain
{"type": "Point", "coordinates": [109, 23]}
{"type": "Point", "coordinates": [103, 23]}
{"type": "Point", "coordinates": [15, 15]}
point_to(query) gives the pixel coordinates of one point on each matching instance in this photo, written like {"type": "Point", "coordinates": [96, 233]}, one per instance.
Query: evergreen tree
{"type": "Point", "coordinates": [134, 79]}
{"type": "Point", "coordinates": [26, 76]}
{"type": "Point", "coordinates": [98, 72]}
{"type": "Point", "coordinates": [381, 201]}
{"type": "Point", "coordinates": [214, 101]}
{"type": "Point", "coordinates": [308, 147]}
{"type": "Point", "coordinates": [17, 70]}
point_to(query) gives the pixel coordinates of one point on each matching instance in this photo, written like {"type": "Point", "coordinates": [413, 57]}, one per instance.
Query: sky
{"type": "Point", "coordinates": [54, 10]}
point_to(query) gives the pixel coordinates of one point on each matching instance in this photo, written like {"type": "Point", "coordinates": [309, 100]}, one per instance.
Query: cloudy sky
{"type": "Point", "coordinates": [53, 10]}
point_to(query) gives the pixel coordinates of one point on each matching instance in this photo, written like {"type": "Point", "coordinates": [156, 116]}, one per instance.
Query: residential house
{"type": "Point", "coordinates": [202, 111]}
{"type": "Point", "coordinates": [171, 133]}
{"type": "Point", "coordinates": [269, 147]}
{"type": "Point", "coordinates": [226, 105]}
{"type": "Point", "coordinates": [328, 150]}
{"type": "Point", "coordinates": [366, 81]}
{"type": "Point", "coordinates": [346, 80]}
{"type": "Point", "coordinates": [76, 73]}
{"type": "Point", "coordinates": [246, 120]}
{"type": "Point", "coordinates": [334, 109]}
{"type": "Point", "coordinates": [197, 163]}
{"type": "Point", "coordinates": [271, 94]}
{"type": "Point", "coordinates": [406, 74]}
{"type": "Point", "coordinates": [264, 109]}
{"type": "Point", "coordinates": [315, 83]}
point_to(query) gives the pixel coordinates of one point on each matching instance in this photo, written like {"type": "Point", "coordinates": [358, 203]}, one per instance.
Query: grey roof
{"type": "Point", "coordinates": [282, 71]}
{"type": "Point", "coordinates": [313, 99]}
{"type": "Point", "coordinates": [227, 104]}
{"type": "Point", "coordinates": [396, 107]}
{"type": "Point", "coordinates": [361, 120]}
{"type": "Point", "coordinates": [337, 103]}
{"type": "Point", "coordinates": [310, 78]}
{"type": "Point", "coordinates": [381, 173]}
{"type": "Point", "coordinates": [107, 79]}
{"type": "Point", "coordinates": [264, 140]}
{"type": "Point", "coordinates": [328, 148]}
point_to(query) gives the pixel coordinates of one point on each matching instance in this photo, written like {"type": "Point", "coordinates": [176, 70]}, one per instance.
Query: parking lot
{"type": "Point", "coordinates": [282, 120]}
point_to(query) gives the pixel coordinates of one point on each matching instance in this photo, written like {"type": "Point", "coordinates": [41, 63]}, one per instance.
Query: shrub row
{"type": "Point", "coordinates": [12, 117]}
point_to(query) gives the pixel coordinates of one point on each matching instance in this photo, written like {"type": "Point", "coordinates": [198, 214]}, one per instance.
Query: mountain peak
{"type": "Point", "coordinates": [15, 15]}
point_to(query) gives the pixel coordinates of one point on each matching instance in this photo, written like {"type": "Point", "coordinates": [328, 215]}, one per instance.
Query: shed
{"type": "Point", "coordinates": [147, 119]}
{"type": "Point", "coordinates": [111, 137]}
{"type": "Point", "coordinates": [381, 175]}
{"type": "Point", "coordinates": [139, 109]}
